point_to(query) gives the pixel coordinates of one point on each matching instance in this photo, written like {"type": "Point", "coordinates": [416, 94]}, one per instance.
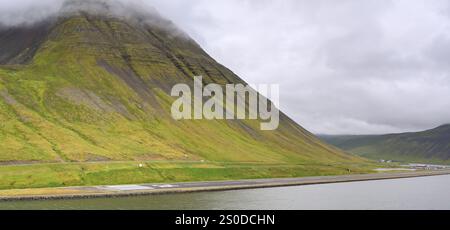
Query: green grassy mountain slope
{"type": "Point", "coordinates": [83, 97]}
{"type": "Point", "coordinates": [431, 146]}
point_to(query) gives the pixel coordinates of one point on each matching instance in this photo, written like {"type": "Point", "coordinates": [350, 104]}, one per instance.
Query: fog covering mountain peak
{"type": "Point", "coordinates": [24, 29]}
{"type": "Point", "coordinates": [25, 13]}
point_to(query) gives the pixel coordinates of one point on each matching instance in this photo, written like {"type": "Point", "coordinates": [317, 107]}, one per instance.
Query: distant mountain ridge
{"type": "Point", "coordinates": [430, 146]}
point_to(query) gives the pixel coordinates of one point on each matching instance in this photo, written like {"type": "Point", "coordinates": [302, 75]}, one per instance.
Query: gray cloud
{"type": "Point", "coordinates": [344, 66]}
{"type": "Point", "coordinates": [349, 66]}
{"type": "Point", "coordinates": [18, 12]}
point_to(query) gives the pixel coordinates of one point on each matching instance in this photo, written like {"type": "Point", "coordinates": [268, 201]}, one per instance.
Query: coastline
{"type": "Point", "coordinates": [86, 192]}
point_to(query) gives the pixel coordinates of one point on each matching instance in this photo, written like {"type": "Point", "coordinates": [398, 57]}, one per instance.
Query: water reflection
{"type": "Point", "coordinates": [411, 193]}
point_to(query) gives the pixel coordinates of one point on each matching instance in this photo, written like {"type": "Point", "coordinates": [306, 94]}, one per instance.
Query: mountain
{"type": "Point", "coordinates": [431, 146]}
{"type": "Point", "coordinates": [94, 87]}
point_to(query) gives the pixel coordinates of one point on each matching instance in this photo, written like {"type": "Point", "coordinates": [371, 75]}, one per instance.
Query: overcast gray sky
{"type": "Point", "coordinates": [344, 67]}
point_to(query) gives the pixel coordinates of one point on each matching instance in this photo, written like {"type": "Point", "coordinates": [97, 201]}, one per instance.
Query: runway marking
{"type": "Point", "coordinates": [165, 186]}
{"type": "Point", "coordinates": [127, 187]}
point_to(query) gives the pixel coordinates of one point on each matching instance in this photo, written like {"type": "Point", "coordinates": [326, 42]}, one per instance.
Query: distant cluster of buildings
{"type": "Point", "coordinates": [418, 166]}
{"type": "Point", "coordinates": [428, 166]}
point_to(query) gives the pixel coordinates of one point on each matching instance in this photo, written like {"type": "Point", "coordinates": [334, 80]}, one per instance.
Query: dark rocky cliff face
{"type": "Point", "coordinates": [19, 44]}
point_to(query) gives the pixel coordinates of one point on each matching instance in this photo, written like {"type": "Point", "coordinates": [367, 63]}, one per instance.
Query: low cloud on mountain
{"type": "Point", "coordinates": [351, 66]}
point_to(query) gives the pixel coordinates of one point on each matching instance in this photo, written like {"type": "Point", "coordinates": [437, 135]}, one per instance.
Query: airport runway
{"type": "Point", "coordinates": [154, 188]}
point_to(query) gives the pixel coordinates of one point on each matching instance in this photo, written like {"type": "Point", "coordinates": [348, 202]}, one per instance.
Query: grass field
{"type": "Point", "coordinates": [111, 173]}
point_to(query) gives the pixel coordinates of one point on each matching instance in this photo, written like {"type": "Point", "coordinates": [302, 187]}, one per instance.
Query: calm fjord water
{"type": "Point", "coordinates": [412, 193]}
